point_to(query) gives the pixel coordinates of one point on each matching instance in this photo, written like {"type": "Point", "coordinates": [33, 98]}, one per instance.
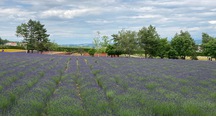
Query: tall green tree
{"type": "Point", "coordinates": [115, 48]}
{"type": "Point", "coordinates": [183, 44]}
{"type": "Point", "coordinates": [206, 38]}
{"type": "Point", "coordinates": [104, 43]}
{"type": "Point", "coordinates": [149, 40]}
{"type": "Point", "coordinates": [163, 48]}
{"type": "Point", "coordinates": [34, 35]}
{"type": "Point", "coordinates": [209, 45]}
{"type": "Point", "coordinates": [112, 51]}
{"type": "Point", "coordinates": [51, 46]}
{"type": "Point", "coordinates": [125, 41]}
{"type": "Point", "coordinates": [210, 48]}
{"type": "Point", "coordinates": [172, 54]}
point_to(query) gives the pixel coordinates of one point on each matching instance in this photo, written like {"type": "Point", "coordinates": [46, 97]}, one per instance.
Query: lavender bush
{"type": "Point", "coordinates": [35, 84]}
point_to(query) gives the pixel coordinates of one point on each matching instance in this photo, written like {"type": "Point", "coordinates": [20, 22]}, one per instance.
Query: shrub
{"type": "Point", "coordinates": [72, 49]}
{"type": "Point", "coordinates": [92, 52]}
{"type": "Point", "coordinates": [11, 47]}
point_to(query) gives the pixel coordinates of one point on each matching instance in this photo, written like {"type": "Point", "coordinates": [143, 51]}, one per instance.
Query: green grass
{"type": "Point", "coordinates": [118, 80]}
{"type": "Point", "coordinates": [142, 79]}
{"type": "Point", "coordinates": [183, 81]}
{"type": "Point", "coordinates": [91, 67]}
{"type": "Point", "coordinates": [99, 82]}
{"type": "Point", "coordinates": [185, 90]}
{"type": "Point", "coordinates": [161, 90]}
{"type": "Point", "coordinates": [4, 103]}
{"type": "Point", "coordinates": [1, 88]}
{"type": "Point", "coordinates": [12, 98]}
{"type": "Point", "coordinates": [213, 96]}
{"type": "Point", "coordinates": [94, 103]}
{"type": "Point", "coordinates": [110, 94]}
{"type": "Point", "coordinates": [151, 86]}
{"type": "Point", "coordinates": [2, 73]}
{"type": "Point", "coordinates": [128, 112]}
{"type": "Point", "coordinates": [127, 104]}
{"type": "Point", "coordinates": [164, 108]}
{"type": "Point", "coordinates": [193, 108]}
{"type": "Point", "coordinates": [65, 106]}
{"type": "Point", "coordinates": [180, 108]}
{"type": "Point", "coordinates": [56, 79]}
{"type": "Point", "coordinates": [124, 85]}
{"type": "Point", "coordinates": [32, 82]}
{"type": "Point", "coordinates": [213, 81]}
{"type": "Point", "coordinates": [28, 108]}
{"type": "Point", "coordinates": [95, 72]}
{"type": "Point", "coordinates": [204, 83]}
{"type": "Point", "coordinates": [9, 80]}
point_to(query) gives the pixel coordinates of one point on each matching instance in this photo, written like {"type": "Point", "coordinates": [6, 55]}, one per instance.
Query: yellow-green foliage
{"type": "Point", "coordinates": [13, 50]}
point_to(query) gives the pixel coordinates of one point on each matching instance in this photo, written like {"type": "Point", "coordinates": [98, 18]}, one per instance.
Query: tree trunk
{"type": "Point", "coordinates": [183, 57]}
{"type": "Point", "coordinates": [145, 55]}
{"type": "Point", "coordinates": [210, 58]}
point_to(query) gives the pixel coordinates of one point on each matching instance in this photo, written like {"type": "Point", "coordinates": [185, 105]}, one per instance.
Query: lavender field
{"type": "Point", "coordinates": [35, 84]}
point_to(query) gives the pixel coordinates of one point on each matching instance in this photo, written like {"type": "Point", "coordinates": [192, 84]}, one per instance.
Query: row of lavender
{"type": "Point", "coordinates": [156, 86]}
{"type": "Point", "coordinates": [27, 81]}
{"type": "Point", "coordinates": [33, 84]}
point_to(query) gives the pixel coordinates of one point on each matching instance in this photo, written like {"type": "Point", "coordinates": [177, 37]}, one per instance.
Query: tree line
{"type": "Point", "coordinates": [3, 41]}
{"type": "Point", "coordinates": [148, 42]}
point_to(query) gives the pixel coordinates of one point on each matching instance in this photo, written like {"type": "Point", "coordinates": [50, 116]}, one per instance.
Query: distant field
{"type": "Point", "coordinates": [202, 58]}
{"type": "Point", "coordinates": [51, 85]}
{"type": "Point", "coordinates": [12, 50]}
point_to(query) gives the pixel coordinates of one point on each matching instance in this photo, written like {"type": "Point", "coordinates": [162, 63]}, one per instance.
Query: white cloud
{"type": "Point", "coordinates": [193, 29]}
{"type": "Point", "coordinates": [16, 14]}
{"type": "Point", "coordinates": [147, 16]}
{"type": "Point", "coordinates": [213, 10]}
{"type": "Point", "coordinates": [197, 8]}
{"type": "Point", "coordinates": [101, 22]}
{"type": "Point", "coordinates": [68, 14]}
{"type": "Point", "coordinates": [142, 9]}
{"type": "Point", "coordinates": [12, 11]}
{"type": "Point", "coordinates": [144, 16]}
{"type": "Point", "coordinates": [212, 22]}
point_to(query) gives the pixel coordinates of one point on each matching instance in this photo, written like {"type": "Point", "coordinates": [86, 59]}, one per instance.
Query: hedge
{"type": "Point", "coordinates": [11, 47]}
{"type": "Point", "coordinates": [72, 49]}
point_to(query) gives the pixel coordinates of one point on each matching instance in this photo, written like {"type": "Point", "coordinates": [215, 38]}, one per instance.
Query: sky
{"type": "Point", "coordinates": [77, 21]}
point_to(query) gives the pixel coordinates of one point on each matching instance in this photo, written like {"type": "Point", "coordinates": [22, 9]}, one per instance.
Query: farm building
{"type": "Point", "coordinates": [11, 44]}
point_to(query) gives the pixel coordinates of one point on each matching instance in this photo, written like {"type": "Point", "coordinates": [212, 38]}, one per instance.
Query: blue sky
{"type": "Point", "coordinates": [77, 21]}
